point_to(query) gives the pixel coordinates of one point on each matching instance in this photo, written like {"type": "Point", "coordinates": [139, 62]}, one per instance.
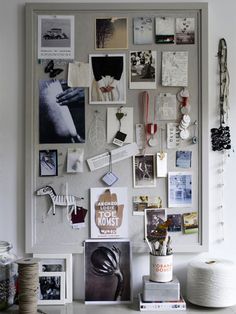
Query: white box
{"type": "Point", "coordinates": [161, 291]}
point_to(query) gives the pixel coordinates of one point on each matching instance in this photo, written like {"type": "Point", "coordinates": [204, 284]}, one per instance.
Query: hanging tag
{"type": "Point", "coordinates": [140, 136]}
{"type": "Point", "coordinates": [110, 178]}
{"type": "Point", "coordinates": [162, 165]}
{"type": "Point", "coordinates": [119, 138]}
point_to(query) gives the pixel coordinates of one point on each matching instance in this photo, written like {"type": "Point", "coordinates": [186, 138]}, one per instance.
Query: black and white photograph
{"type": "Point", "coordinates": [107, 79]}
{"type": "Point", "coordinates": [165, 30]}
{"type": "Point", "coordinates": [55, 37]}
{"type": "Point", "coordinates": [142, 69]}
{"type": "Point", "coordinates": [179, 189]}
{"type": "Point", "coordinates": [144, 171]}
{"type": "Point", "coordinates": [111, 33]}
{"type": "Point", "coordinates": [61, 113]}
{"type": "Point", "coordinates": [143, 30]}
{"type": "Point", "coordinates": [108, 271]}
{"type": "Point", "coordinates": [48, 165]}
{"type": "Point", "coordinates": [175, 222]}
{"type": "Point", "coordinates": [52, 288]}
{"type": "Point", "coordinates": [185, 31]}
{"type": "Point", "coordinates": [183, 159]}
{"type": "Point", "coordinates": [58, 263]}
{"type": "Point", "coordinates": [153, 217]}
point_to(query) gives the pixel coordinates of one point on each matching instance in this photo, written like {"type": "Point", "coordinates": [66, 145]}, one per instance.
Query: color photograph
{"type": "Point", "coordinates": [107, 79]}
{"type": "Point", "coordinates": [111, 33]}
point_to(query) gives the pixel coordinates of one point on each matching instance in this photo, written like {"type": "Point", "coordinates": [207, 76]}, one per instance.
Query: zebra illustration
{"type": "Point", "coordinates": [59, 200]}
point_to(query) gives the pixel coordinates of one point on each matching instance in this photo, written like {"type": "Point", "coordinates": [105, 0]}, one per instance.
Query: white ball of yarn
{"type": "Point", "coordinates": [212, 283]}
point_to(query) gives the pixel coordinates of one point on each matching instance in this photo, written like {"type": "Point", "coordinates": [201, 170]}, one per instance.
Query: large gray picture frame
{"type": "Point", "coordinates": [54, 235]}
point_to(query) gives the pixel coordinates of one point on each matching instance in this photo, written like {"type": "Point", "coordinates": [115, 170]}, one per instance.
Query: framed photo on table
{"type": "Point", "coordinates": [58, 263]}
{"type": "Point", "coordinates": [51, 288]}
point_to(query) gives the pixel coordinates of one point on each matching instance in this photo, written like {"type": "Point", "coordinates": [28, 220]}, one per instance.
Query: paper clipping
{"type": "Point", "coordinates": [175, 68]}
{"type": "Point", "coordinates": [55, 37]}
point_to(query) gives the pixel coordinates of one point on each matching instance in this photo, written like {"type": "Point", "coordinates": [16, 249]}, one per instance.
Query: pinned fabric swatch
{"type": "Point", "coordinates": [78, 74]}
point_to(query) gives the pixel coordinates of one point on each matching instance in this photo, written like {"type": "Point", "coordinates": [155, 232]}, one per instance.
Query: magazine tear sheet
{"type": "Point", "coordinates": [117, 154]}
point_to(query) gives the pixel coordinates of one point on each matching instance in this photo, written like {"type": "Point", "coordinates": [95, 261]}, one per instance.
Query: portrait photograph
{"type": "Point", "coordinates": [143, 30]}
{"type": "Point", "coordinates": [107, 79]}
{"type": "Point", "coordinates": [142, 69]}
{"type": "Point", "coordinates": [179, 189]}
{"type": "Point", "coordinates": [61, 113]}
{"type": "Point", "coordinates": [111, 33]}
{"type": "Point", "coordinates": [51, 288]}
{"type": "Point", "coordinates": [153, 217]}
{"type": "Point", "coordinates": [144, 171]}
{"type": "Point", "coordinates": [48, 165]}
{"type": "Point", "coordinates": [108, 271]}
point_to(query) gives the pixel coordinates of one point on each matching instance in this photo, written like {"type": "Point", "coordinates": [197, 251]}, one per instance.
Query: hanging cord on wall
{"type": "Point", "coordinates": [220, 137]}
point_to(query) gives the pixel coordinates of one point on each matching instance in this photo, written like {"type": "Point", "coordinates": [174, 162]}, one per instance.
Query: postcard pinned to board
{"type": "Point", "coordinates": [78, 74]}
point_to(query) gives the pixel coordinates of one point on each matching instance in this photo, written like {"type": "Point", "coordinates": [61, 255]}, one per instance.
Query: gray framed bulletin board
{"type": "Point", "coordinates": [73, 38]}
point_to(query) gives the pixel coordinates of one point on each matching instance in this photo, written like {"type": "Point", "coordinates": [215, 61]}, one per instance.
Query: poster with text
{"type": "Point", "coordinates": [109, 212]}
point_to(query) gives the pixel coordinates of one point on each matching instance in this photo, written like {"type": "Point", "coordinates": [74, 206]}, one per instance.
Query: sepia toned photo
{"type": "Point", "coordinates": [153, 218]}
{"type": "Point", "coordinates": [111, 33]}
{"type": "Point", "coordinates": [185, 31]}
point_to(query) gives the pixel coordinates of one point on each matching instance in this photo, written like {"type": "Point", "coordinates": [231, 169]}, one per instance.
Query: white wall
{"type": "Point", "coordinates": [222, 23]}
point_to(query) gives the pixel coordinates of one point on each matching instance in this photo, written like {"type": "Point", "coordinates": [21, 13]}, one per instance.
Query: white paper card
{"type": "Point", "coordinates": [161, 165]}
{"type": "Point", "coordinates": [117, 154]}
{"type": "Point", "coordinates": [175, 68]}
{"type": "Point", "coordinates": [75, 157]}
{"type": "Point", "coordinates": [78, 74]}
{"type": "Point", "coordinates": [166, 107]}
{"type": "Point", "coordinates": [140, 135]}
{"type": "Point", "coordinates": [173, 138]}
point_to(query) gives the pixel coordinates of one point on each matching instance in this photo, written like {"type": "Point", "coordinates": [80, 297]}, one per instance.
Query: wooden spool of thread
{"type": "Point", "coordinates": [28, 270]}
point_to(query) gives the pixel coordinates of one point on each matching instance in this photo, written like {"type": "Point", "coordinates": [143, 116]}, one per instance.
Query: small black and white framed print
{"type": "Point", "coordinates": [51, 288]}
{"type": "Point", "coordinates": [48, 164]}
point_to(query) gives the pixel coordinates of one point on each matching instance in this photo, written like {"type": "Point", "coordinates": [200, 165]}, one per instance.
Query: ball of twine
{"type": "Point", "coordinates": [28, 270]}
